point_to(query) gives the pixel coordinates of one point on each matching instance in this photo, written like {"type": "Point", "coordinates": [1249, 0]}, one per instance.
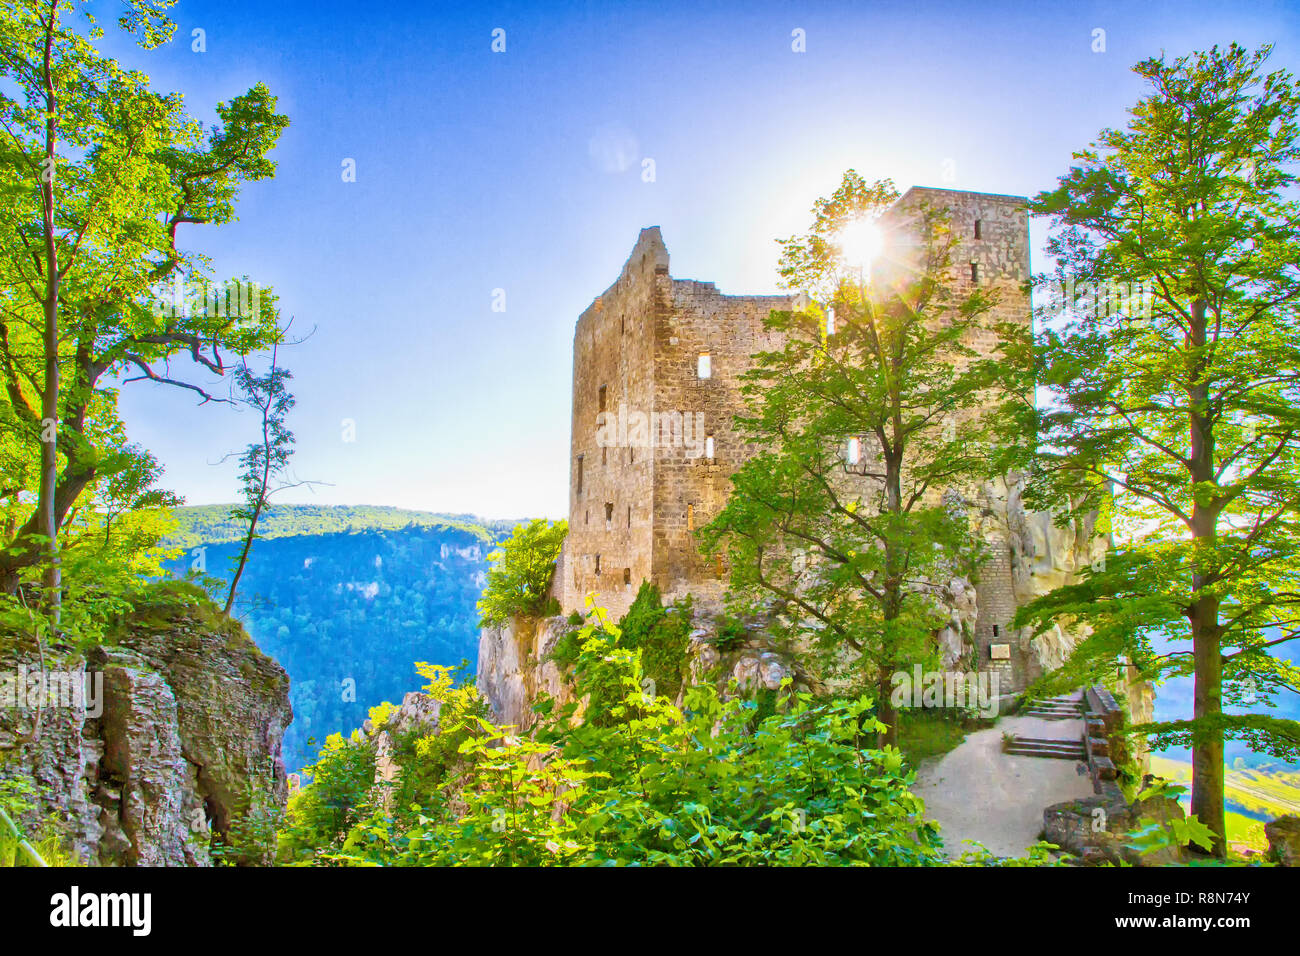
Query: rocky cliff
{"type": "Point", "coordinates": [515, 669]}
{"type": "Point", "coordinates": [170, 733]}
{"type": "Point", "coordinates": [513, 664]}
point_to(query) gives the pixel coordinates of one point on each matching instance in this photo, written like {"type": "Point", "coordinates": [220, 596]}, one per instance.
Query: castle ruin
{"type": "Point", "coordinates": [657, 365]}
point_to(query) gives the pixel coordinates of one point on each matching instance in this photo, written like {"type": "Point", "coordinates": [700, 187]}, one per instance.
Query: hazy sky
{"type": "Point", "coordinates": [522, 171]}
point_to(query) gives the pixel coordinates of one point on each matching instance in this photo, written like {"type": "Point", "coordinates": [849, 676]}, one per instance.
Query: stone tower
{"type": "Point", "coordinates": [656, 366]}
{"type": "Point", "coordinates": [656, 383]}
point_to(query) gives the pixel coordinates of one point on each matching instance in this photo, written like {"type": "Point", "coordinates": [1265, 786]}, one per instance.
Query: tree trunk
{"type": "Point", "coordinates": [48, 524]}
{"type": "Point", "coordinates": [893, 605]}
{"type": "Point", "coordinates": [262, 492]}
{"type": "Point", "coordinates": [243, 554]}
{"type": "Point", "coordinates": [885, 711]}
{"type": "Point", "coordinates": [1203, 614]}
{"type": "Point", "coordinates": [1207, 744]}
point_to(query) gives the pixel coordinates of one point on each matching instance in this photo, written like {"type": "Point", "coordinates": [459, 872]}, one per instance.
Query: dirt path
{"type": "Point", "coordinates": [976, 792]}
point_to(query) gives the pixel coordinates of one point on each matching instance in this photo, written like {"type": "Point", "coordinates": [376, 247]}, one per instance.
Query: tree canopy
{"type": "Point", "coordinates": [1176, 410]}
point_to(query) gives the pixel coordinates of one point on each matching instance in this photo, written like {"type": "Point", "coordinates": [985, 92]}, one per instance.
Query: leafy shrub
{"type": "Point", "coordinates": [639, 781]}
{"type": "Point", "coordinates": [566, 650]}
{"type": "Point", "coordinates": [662, 634]}
{"type": "Point", "coordinates": [520, 576]}
{"type": "Point", "coordinates": [321, 813]}
{"type": "Point", "coordinates": [731, 634]}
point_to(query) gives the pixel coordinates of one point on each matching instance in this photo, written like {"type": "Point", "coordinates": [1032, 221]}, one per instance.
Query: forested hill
{"type": "Point", "coordinates": [212, 524]}
{"type": "Point", "coordinates": [348, 612]}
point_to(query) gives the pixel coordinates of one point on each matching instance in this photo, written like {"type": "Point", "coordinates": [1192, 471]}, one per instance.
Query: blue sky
{"type": "Point", "coordinates": [522, 171]}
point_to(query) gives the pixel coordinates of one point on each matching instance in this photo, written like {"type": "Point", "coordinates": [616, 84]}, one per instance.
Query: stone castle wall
{"type": "Point", "coordinates": [637, 348]}
{"type": "Point", "coordinates": [611, 487]}
{"type": "Point", "coordinates": [691, 486]}
{"type": "Point", "coordinates": [992, 233]}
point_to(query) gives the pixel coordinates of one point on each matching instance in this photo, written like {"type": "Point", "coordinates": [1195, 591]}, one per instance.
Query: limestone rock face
{"type": "Point", "coordinates": [961, 600]}
{"type": "Point", "coordinates": [1041, 557]}
{"type": "Point", "coordinates": [513, 668]}
{"type": "Point", "coordinates": [418, 711]}
{"type": "Point", "coordinates": [189, 726]}
{"type": "Point", "coordinates": [1284, 840]}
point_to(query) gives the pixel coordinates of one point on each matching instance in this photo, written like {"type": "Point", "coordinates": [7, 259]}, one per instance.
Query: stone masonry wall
{"type": "Point", "coordinates": [992, 253]}
{"type": "Point", "coordinates": [637, 508]}
{"type": "Point", "coordinates": [610, 487]}
{"type": "Point", "coordinates": [691, 486]}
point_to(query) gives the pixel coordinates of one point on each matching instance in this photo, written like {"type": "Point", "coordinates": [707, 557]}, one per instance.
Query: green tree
{"type": "Point", "coordinates": [840, 516]}
{"type": "Point", "coordinates": [97, 174]}
{"type": "Point", "coordinates": [521, 572]}
{"type": "Point", "coordinates": [264, 462]}
{"type": "Point", "coordinates": [1175, 410]}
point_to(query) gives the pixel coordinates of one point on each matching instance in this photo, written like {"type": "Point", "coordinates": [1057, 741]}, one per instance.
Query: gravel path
{"type": "Point", "coordinates": [976, 792]}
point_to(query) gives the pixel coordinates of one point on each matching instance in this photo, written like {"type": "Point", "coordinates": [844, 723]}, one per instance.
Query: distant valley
{"type": "Point", "coordinates": [347, 599]}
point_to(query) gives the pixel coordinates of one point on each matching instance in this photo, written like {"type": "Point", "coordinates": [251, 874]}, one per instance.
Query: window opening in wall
{"type": "Point", "coordinates": [704, 365]}
{"type": "Point", "coordinates": [600, 397]}
{"type": "Point", "coordinates": [629, 516]}
{"type": "Point", "coordinates": [979, 232]}
{"type": "Point", "coordinates": [579, 491]}
{"type": "Point", "coordinates": [604, 457]}
{"type": "Point", "coordinates": [631, 456]}
{"type": "Point", "coordinates": [974, 272]}
{"type": "Point", "coordinates": [995, 630]}
{"type": "Point", "coordinates": [587, 518]}
{"type": "Point", "coordinates": [609, 516]}
{"type": "Point", "coordinates": [627, 577]}
{"type": "Point", "coordinates": [598, 564]}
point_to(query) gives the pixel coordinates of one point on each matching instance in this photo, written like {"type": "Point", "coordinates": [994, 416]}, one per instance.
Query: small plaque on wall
{"type": "Point", "coordinates": [1000, 652]}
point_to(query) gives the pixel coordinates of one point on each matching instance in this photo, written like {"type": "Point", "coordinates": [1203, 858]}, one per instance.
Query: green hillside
{"type": "Point", "coordinates": [212, 524]}
{"type": "Point", "coordinates": [1252, 796]}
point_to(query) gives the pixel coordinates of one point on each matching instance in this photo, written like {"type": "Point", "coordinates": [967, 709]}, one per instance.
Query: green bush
{"type": "Point", "coordinates": [566, 650]}
{"type": "Point", "coordinates": [520, 576]}
{"type": "Point", "coordinates": [731, 634]}
{"type": "Point", "coordinates": [639, 781]}
{"type": "Point", "coordinates": [662, 634]}
{"type": "Point", "coordinates": [321, 814]}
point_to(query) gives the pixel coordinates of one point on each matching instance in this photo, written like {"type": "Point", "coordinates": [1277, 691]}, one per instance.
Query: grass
{"type": "Point", "coordinates": [51, 850]}
{"type": "Point", "coordinates": [923, 734]}
{"type": "Point", "coordinates": [1265, 792]}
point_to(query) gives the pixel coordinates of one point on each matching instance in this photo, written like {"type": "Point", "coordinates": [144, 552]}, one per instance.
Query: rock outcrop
{"type": "Point", "coordinates": [1284, 840]}
{"type": "Point", "coordinates": [179, 730]}
{"type": "Point", "coordinates": [418, 712]}
{"type": "Point", "coordinates": [1095, 830]}
{"type": "Point", "coordinates": [1042, 556]}
{"type": "Point", "coordinates": [514, 667]}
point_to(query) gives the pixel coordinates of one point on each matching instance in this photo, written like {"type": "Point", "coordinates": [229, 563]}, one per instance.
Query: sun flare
{"type": "Point", "coordinates": [860, 242]}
